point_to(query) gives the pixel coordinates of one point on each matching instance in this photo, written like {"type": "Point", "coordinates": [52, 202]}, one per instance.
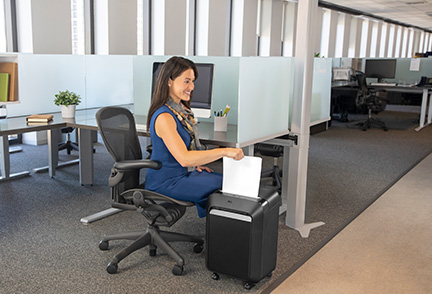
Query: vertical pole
{"type": "Point", "coordinates": [300, 123]}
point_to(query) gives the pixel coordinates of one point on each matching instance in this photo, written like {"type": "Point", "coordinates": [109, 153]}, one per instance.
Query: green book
{"type": "Point", "coordinates": [4, 87]}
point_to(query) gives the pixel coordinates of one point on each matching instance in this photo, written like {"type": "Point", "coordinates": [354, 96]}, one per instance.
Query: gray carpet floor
{"type": "Point", "coordinates": [45, 248]}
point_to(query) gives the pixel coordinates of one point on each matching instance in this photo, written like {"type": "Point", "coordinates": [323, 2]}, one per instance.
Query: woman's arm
{"type": "Point", "coordinates": [166, 128]}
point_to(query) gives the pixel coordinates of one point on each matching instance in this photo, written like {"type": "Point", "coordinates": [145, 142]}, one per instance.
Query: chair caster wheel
{"type": "Point", "coordinates": [198, 248]}
{"type": "Point", "coordinates": [112, 268]}
{"type": "Point", "coordinates": [177, 270]}
{"type": "Point", "coordinates": [385, 129]}
{"type": "Point", "coordinates": [248, 285]}
{"type": "Point", "coordinates": [103, 245]}
{"type": "Point", "coordinates": [215, 276]}
{"type": "Point", "coordinates": [152, 252]}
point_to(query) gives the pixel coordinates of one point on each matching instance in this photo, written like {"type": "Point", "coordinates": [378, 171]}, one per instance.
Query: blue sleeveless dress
{"type": "Point", "coordinates": [176, 181]}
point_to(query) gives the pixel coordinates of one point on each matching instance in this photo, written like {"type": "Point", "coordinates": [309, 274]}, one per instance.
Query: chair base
{"type": "Point", "coordinates": [372, 122]}
{"type": "Point", "coordinates": [275, 173]}
{"type": "Point", "coordinates": [69, 146]}
{"type": "Point", "coordinates": [154, 238]}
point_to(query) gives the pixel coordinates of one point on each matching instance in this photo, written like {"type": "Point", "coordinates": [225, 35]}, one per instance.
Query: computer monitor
{"type": "Point", "coordinates": [380, 69]}
{"type": "Point", "coordinates": [201, 102]}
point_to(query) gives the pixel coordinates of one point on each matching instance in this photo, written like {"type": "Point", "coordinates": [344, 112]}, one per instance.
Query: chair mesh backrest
{"type": "Point", "coordinates": [118, 131]}
{"type": "Point", "coordinates": [363, 91]}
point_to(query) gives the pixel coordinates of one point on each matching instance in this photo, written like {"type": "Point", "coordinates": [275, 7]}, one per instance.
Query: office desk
{"type": "Point", "coordinates": [19, 125]}
{"type": "Point", "coordinates": [426, 104]}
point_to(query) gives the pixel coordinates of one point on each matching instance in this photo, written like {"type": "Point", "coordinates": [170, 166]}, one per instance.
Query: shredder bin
{"type": "Point", "coordinates": [242, 235]}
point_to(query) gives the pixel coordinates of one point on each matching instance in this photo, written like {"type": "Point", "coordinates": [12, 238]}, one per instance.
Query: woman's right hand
{"type": "Point", "coordinates": [235, 153]}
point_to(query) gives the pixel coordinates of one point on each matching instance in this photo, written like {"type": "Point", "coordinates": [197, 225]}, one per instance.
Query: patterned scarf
{"type": "Point", "coordinates": [187, 119]}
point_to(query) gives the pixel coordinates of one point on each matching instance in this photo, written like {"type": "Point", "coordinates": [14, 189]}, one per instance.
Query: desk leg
{"type": "Point", "coordinates": [53, 139]}
{"type": "Point", "coordinates": [429, 118]}
{"type": "Point", "coordinates": [85, 156]}
{"type": "Point", "coordinates": [423, 110]}
{"type": "Point", "coordinates": [4, 154]}
{"type": "Point", "coordinates": [5, 161]}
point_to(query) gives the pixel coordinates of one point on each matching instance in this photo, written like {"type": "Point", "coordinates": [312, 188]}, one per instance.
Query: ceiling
{"type": "Point", "coordinates": [416, 13]}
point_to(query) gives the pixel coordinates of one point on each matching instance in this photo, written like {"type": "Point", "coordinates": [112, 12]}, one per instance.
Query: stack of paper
{"type": "Point", "coordinates": [242, 177]}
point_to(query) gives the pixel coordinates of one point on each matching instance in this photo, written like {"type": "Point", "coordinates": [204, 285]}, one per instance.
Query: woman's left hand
{"type": "Point", "coordinates": [201, 168]}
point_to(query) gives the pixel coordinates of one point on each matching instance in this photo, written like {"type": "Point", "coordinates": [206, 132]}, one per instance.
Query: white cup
{"type": "Point", "coordinates": [220, 123]}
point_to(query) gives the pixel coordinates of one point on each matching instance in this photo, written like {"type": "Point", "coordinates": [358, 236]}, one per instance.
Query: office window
{"type": "Point", "coordinates": [143, 27]}
{"type": "Point", "coordinates": [391, 41]}
{"type": "Point", "coordinates": [78, 33]}
{"type": "Point", "coordinates": [325, 32]}
{"type": "Point", "coordinates": [411, 33]}
{"type": "Point", "coordinates": [398, 44]}
{"type": "Point", "coordinates": [404, 42]}
{"type": "Point", "coordinates": [288, 28]}
{"type": "Point", "coordinates": [202, 27]}
{"type": "Point", "coordinates": [3, 39]}
{"type": "Point", "coordinates": [340, 31]}
{"type": "Point", "coordinates": [384, 40]}
{"type": "Point", "coordinates": [374, 39]}
{"type": "Point", "coordinates": [364, 38]}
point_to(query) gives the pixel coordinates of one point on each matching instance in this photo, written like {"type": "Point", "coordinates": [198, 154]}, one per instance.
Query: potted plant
{"type": "Point", "coordinates": [68, 101]}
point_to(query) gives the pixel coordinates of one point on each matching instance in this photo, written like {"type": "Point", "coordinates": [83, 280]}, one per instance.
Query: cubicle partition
{"type": "Point", "coordinates": [99, 80]}
{"type": "Point", "coordinates": [408, 70]}
{"type": "Point", "coordinates": [258, 89]}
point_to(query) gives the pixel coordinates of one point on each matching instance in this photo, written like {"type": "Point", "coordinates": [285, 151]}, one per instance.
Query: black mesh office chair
{"type": "Point", "coordinates": [117, 128]}
{"type": "Point", "coordinates": [367, 98]}
{"type": "Point", "coordinates": [274, 173]}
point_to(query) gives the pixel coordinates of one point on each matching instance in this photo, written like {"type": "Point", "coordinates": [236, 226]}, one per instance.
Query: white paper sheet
{"type": "Point", "coordinates": [242, 177]}
{"type": "Point", "coordinates": [415, 64]}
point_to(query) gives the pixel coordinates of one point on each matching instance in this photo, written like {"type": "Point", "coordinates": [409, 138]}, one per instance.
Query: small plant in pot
{"type": "Point", "coordinates": [68, 101]}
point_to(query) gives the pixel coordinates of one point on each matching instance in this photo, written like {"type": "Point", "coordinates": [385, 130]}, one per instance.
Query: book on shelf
{"type": "Point", "coordinates": [11, 68]}
{"type": "Point", "coordinates": [39, 118]}
{"type": "Point", "coordinates": [4, 87]}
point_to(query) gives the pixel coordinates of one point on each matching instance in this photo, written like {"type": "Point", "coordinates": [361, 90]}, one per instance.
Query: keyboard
{"type": "Point", "coordinates": [384, 84]}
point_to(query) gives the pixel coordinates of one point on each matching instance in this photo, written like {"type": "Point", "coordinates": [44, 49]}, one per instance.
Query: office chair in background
{"type": "Point", "coordinates": [275, 173]}
{"type": "Point", "coordinates": [118, 131]}
{"type": "Point", "coordinates": [68, 144]}
{"type": "Point", "coordinates": [367, 97]}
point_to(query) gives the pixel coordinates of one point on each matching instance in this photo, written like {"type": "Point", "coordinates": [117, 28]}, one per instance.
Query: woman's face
{"type": "Point", "coordinates": [181, 87]}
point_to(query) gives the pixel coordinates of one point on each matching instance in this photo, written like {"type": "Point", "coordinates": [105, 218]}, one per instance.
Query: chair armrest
{"type": "Point", "coordinates": [127, 165]}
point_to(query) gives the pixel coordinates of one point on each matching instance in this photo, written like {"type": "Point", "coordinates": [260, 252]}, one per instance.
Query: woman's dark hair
{"type": "Point", "coordinates": [171, 69]}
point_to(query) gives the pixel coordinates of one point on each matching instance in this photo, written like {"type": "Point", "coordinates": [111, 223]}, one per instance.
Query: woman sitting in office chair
{"type": "Point", "coordinates": [174, 136]}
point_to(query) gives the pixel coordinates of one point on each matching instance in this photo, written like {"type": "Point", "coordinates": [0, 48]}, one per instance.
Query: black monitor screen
{"type": "Point", "coordinates": [203, 91]}
{"type": "Point", "coordinates": [380, 68]}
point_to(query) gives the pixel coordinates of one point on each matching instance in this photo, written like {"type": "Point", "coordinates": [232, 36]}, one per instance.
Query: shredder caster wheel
{"type": "Point", "coordinates": [248, 285]}
{"type": "Point", "coordinates": [103, 245]}
{"type": "Point", "coordinates": [215, 276]}
{"type": "Point", "coordinates": [112, 268]}
{"type": "Point", "coordinates": [198, 248]}
{"type": "Point", "coordinates": [177, 270]}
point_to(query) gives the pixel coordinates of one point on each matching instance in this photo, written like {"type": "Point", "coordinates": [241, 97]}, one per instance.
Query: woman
{"type": "Point", "coordinates": [175, 141]}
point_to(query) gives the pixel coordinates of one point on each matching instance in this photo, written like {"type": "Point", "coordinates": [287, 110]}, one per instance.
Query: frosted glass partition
{"type": "Point", "coordinates": [405, 76]}
{"type": "Point", "coordinates": [225, 87]}
{"type": "Point", "coordinates": [265, 88]}
{"type": "Point", "coordinates": [321, 90]}
{"type": "Point", "coordinates": [40, 77]}
{"type": "Point", "coordinates": [109, 80]}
